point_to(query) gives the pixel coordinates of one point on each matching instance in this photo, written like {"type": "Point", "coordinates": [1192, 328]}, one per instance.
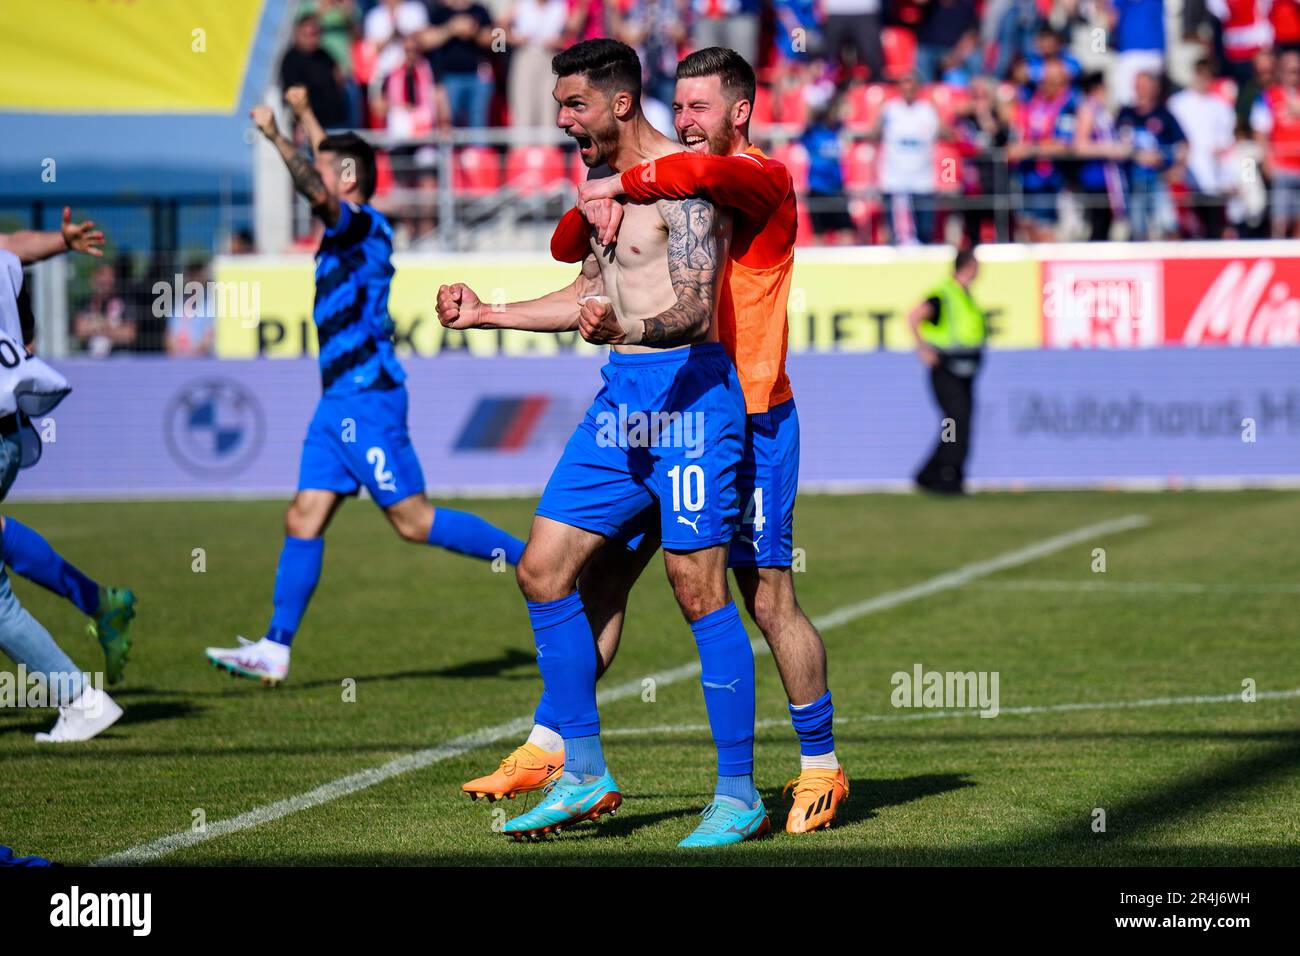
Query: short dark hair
{"type": "Point", "coordinates": [737, 76]}
{"type": "Point", "coordinates": [964, 258]}
{"type": "Point", "coordinates": [1091, 80]}
{"type": "Point", "coordinates": [610, 66]}
{"type": "Point", "coordinates": [351, 146]}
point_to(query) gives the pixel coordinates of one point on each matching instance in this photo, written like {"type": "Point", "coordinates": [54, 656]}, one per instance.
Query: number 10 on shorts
{"type": "Point", "coordinates": [688, 487]}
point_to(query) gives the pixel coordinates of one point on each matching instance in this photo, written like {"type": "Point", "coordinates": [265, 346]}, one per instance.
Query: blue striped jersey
{"type": "Point", "coordinates": [353, 328]}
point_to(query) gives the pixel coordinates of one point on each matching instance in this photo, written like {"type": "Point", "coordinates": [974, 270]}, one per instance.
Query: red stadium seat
{"type": "Point", "coordinates": [867, 216]}
{"type": "Point", "coordinates": [762, 113]}
{"type": "Point", "coordinates": [577, 169]}
{"type": "Point", "coordinates": [792, 107]}
{"type": "Point", "coordinates": [860, 173]}
{"type": "Point", "coordinates": [948, 100]}
{"type": "Point", "coordinates": [1226, 88]}
{"type": "Point", "coordinates": [478, 170]}
{"type": "Point", "coordinates": [865, 102]}
{"type": "Point", "coordinates": [795, 158]}
{"type": "Point", "coordinates": [383, 174]}
{"type": "Point", "coordinates": [530, 168]}
{"type": "Point", "coordinates": [900, 51]}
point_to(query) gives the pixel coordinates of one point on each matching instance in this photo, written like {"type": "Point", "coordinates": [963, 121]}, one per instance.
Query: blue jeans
{"type": "Point", "coordinates": [1144, 206]}
{"type": "Point", "coordinates": [929, 63]}
{"type": "Point", "coordinates": [1015, 34]}
{"type": "Point", "coordinates": [21, 636]}
{"type": "Point", "coordinates": [469, 98]}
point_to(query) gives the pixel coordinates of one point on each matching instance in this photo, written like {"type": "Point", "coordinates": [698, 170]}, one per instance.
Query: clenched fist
{"type": "Point", "coordinates": [296, 97]}
{"type": "Point", "coordinates": [264, 119]}
{"type": "Point", "coordinates": [598, 324]}
{"type": "Point", "coordinates": [458, 307]}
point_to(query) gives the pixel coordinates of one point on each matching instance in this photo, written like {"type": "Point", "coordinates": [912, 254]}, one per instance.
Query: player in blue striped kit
{"type": "Point", "coordinates": [358, 435]}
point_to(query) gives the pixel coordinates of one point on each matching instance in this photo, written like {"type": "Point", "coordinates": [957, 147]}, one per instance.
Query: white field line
{"type": "Point", "coordinates": [513, 729]}
{"type": "Point", "coordinates": [768, 724]}
{"type": "Point", "coordinates": [1137, 587]}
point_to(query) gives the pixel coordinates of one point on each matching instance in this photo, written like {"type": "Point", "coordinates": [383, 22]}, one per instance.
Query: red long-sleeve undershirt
{"type": "Point", "coordinates": [757, 188]}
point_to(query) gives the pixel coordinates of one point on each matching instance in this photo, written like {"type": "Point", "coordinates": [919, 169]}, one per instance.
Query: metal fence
{"type": "Point", "coordinates": [95, 305]}
{"type": "Point", "coordinates": [489, 189]}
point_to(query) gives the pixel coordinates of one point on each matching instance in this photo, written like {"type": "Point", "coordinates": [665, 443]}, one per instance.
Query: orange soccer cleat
{"type": "Point", "coordinates": [527, 769]}
{"type": "Point", "coordinates": [818, 794]}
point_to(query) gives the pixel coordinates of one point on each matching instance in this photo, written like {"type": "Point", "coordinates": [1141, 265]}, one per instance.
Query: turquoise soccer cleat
{"type": "Point", "coordinates": [725, 823]}
{"type": "Point", "coordinates": [563, 804]}
{"type": "Point", "coordinates": [112, 628]}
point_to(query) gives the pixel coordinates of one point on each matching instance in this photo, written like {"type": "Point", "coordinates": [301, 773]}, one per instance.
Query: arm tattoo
{"type": "Point", "coordinates": [305, 178]}
{"type": "Point", "coordinates": [693, 247]}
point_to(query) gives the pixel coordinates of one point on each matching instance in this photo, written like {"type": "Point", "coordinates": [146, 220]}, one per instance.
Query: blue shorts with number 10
{"type": "Point", "coordinates": [665, 435]}
{"type": "Point", "coordinates": [766, 484]}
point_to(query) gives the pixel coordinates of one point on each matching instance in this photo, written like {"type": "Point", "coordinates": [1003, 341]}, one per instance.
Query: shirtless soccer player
{"type": "Point", "coordinates": [653, 298]}
{"type": "Point", "coordinates": [715, 90]}
{"type": "Point", "coordinates": [358, 435]}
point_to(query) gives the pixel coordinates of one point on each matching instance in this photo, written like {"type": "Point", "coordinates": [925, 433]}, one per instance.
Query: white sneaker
{"type": "Point", "coordinates": [261, 660]}
{"type": "Point", "coordinates": [93, 711]}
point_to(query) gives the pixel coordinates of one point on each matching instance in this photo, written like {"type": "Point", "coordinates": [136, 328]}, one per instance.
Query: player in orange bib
{"type": "Point", "coordinates": [713, 101]}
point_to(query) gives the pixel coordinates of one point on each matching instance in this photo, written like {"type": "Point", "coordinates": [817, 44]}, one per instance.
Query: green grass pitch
{"type": "Point", "coordinates": [1200, 599]}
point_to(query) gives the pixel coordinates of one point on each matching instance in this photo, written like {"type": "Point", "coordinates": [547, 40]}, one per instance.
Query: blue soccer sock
{"type": "Point", "coordinates": [814, 724]}
{"type": "Point", "coordinates": [544, 715]}
{"type": "Point", "coordinates": [566, 656]}
{"type": "Point", "coordinates": [469, 534]}
{"type": "Point", "coordinates": [727, 675]}
{"type": "Point", "coordinates": [739, 788]}
{"type": "Point", "coordinates": [30, 555]}
{"type": "Point", "coordinates": [583, 758]}
{"type": "Point", "coordinates": [295, 580]}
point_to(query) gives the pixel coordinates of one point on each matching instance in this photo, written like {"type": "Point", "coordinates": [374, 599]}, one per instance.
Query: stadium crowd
{"type": "Point", "coordinates": [911, 121]}
{"type": "Point", "coordinates": [904, 121]}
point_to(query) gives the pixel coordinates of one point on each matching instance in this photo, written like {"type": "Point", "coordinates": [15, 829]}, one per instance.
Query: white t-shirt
{"type": "Point", "coordinates": [385, 29]}
{"type": "Point", "coordinates": [1209, 124]}
{"type": "Point", "coordinates": [908, 134]}
{"type": "Point", "coordinates": [850, 7]}
{"type": "Point", "coordinates": [383, 26]}
{"type": "Point", "coordinates": [26, 382]}
{"type": "Point", "coordinates": [11, 283]}
{"type": "Point", "coordinates": [539, 22]}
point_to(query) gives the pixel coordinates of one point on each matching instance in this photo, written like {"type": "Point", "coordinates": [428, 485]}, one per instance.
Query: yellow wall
{"type": "Point", "coordinates": [141, 56]}
{"type": "Point", "coordinates": [830, 303]}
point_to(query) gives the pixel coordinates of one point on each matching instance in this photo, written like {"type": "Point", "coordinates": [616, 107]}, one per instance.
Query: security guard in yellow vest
{"type": "Point", "coordinates": [950, 331]}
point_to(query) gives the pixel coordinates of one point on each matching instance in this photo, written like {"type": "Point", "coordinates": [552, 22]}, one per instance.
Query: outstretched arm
{"type": "Point", "coordinates": [296, 97]}
{"type": "Point", "coordinates": [30, 245]}
{"type": "Point", "coordinates": [751, 184]}
{"type": "Point", "coordinates": [459, 307]}
{"type": "Point", "coordinates": [305, 177]}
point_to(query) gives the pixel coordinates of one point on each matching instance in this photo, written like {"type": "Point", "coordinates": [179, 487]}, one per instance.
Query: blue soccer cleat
{"type": "Point", "coordinates": [563, 804]}
{"type": "Point", "coordinates": [725, 823]}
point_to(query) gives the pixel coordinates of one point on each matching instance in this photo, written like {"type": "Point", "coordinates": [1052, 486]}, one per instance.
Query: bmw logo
{"type": "Point", "coordinates": [214, 427]}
